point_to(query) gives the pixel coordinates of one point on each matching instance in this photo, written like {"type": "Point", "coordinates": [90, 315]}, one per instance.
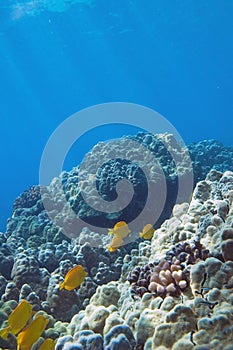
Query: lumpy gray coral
{"type": "Point", "coordinates": [173, 292]}
{"type": "Point", "coordinates": [210, 154]}
{"type": "Point", "coordinates": [200, 317]}
{"type": "Point", "coordinates": [31, 225]}
{"type": "Point", "coordinates": [101, 171]}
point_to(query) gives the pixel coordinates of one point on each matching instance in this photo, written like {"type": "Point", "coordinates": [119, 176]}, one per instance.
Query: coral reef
{"type": "Point", "coordinates": [173, 292]}
{"type": "Point", "coordinates": [31, 226]}
{"type": "Point", "coordinates": [198, 317]}
{"type": "Point", "coordinates": [108, 164]}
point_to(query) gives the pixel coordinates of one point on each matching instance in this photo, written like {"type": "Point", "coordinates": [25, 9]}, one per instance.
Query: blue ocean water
{"type": "Point", "coordinates": [58, 57]}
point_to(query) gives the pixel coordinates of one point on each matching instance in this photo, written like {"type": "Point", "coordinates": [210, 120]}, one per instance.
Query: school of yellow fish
{"type": "Point", "coordinates": [27, 329]}
{"type": "Point", "coordinates": [121, 230]}
{"type": "Point", "coordinates": [27, 333]}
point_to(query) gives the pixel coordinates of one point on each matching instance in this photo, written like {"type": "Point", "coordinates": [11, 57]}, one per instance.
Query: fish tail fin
{"type": "Point", "coordinates": [112, 249]}
{"type": "Point", "coordinates": [4, 332]}
{"type": "Point", "coordinates": [62, 285]}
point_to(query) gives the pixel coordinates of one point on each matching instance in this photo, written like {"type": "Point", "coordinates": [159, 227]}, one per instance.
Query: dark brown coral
{"type": "Point", "coordinates": [170, 276]}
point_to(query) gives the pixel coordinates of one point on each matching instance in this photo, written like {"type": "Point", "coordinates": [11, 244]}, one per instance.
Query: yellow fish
{"type": "Point", "coordinates": [120, 229]}
{"type": "Point", "coordinates": [17, 319]}
{"type": "Point", "coordinates": [147, 232]}
{"type": "Point", "coordinates": [31, 333]}
{"type": "Point", "coordinates": [73, 278]}
{"type": "Point", "coordinates": [48, 344]}
{"type": "Point", "coordinates": [117, 241]}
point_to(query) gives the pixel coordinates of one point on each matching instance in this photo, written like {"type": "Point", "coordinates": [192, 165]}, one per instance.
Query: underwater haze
{"type": "Point", "coordinates": [58, 57]}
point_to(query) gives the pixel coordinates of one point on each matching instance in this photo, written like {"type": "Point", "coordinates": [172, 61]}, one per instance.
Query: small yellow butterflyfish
{"type": "Point", "coordinates": [74, 278]}
{"type": "Point", "coordinates": [31, 333]}
{"type": "Point", "coordinates": [116, 242]}
{"type": "Point", "coordinates": [147, 232]}
{"type": "Point", "coordinates": [120, 228]}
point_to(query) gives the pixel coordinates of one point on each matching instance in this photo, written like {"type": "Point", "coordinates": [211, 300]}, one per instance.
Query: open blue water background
{"type": "Point", "coordinates": [174, 56]}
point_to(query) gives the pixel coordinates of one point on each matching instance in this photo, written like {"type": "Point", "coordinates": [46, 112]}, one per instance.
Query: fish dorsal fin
{"type": "Point", "coordinates": [120, 224]}
{"type": "Point", "coordinates": [73, 269]}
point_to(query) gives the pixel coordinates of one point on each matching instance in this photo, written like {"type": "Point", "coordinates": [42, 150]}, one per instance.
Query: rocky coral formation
{"type": "Point", "coordinates": [170, 276]}
{"type": "Point", "coordinates": [210, 154]}
{"type": "Point", "coordinates": [35, 273]}
{"type": "Point", "coordinates": [182, 278]}
{"type": "Point", "coordinates": [88, 190]}
{"type": "Point", "coordinates": [105, 165]}
{"type": "Point", "coordinates": [198, 318]}
{"type": "Point", "coordinates": [28, 198]}
{"type": "Point", "coordinates": [6, 258]}
{"type": "Point", "coordinates": [120, 337]}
